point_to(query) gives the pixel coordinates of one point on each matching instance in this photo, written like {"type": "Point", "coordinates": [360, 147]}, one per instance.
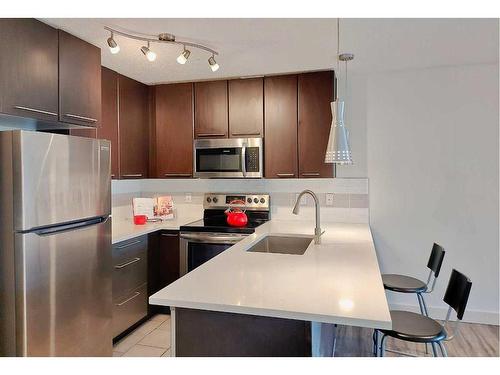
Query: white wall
{"type": "Point", "coordinates": [432, 163]}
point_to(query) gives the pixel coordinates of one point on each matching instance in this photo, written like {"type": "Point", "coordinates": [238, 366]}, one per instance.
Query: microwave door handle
{"type": "Point", "coordinates": [244, 159]}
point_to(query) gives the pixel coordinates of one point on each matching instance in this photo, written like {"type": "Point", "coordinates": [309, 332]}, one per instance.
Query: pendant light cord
{"type": "Point", "coordinates": [337, 58]}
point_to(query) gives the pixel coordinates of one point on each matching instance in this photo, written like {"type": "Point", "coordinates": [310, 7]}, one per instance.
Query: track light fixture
{"type": "Point", "coordinates": [161, 38]}
{"type": "Point", "coordinates": [183, 57]}
{"type": "Point", "coordinates": [150, 55]}
{"type": "Point", "coordinates": [113, 46]}
{"type": "Point", "coordinates": [213, 64]}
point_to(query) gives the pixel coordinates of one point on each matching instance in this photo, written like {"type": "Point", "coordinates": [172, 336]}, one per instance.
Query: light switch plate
{"type": "Point", "coordinates": [188, 198]}
{"type": "Point", "coordinates": [329, 199]}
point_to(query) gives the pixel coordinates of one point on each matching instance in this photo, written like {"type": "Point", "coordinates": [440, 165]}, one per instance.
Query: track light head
{"type": "Point", "coordinates": [150, 55]}
{"type": "Point", "coordinates": [213, 64]}
{"type": "Point", "coordinates": [183, 57]}
{"type": "Point", "coordinates": [113, 46]}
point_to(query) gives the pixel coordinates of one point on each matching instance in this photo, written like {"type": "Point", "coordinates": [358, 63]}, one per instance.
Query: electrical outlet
{"type": "Point", "coordinates": [329, 199]}
{"type": "Point", "coordinates": [188, 198]}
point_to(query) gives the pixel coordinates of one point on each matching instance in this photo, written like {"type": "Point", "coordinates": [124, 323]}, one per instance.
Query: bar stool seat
{"type": "Point", "coordinates": [414, 327]}
{"type": "Point", "coordinates": [403, 284]}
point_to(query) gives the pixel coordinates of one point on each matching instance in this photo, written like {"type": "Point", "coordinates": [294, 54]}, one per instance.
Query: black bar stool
{"type": "Point", "coordinates": [407, 284]}
{"type": "Point", "coordinates": [409, 326]}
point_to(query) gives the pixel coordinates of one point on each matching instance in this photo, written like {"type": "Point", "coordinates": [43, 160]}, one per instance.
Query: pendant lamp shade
{"type": "Point", "coordinates": [338, 149]}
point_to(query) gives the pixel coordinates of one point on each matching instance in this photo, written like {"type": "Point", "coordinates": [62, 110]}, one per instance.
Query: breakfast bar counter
{"type": "Point", "coordinates": [258, 293]}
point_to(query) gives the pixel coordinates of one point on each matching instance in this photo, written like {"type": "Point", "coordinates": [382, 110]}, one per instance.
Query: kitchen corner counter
{"type": "Point", "coordinates": [337, 281]}
{"type": "Point", "coordinates": [124, 228]}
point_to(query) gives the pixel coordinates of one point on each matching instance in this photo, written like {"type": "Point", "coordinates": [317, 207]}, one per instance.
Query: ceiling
{"type": "Point", "coordinates": [250, 47]}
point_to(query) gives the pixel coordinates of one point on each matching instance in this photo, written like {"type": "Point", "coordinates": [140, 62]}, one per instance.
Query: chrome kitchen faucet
{"type": "Point", "coordinates": [317, 231]}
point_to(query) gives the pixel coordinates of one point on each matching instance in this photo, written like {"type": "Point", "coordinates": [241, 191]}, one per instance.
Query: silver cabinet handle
{"type": "Point", "coordinates": [82, 118]}
{"type": "Point", "coordinates": [128, 244]}
{"type": "Point", "coordinates": [285, 174]}
{"type": "Point", "coordinates": [243, 134]}
{"type": "Point", "coordinates": [35, 110]}
{"type": "Point", "coordinates": [211, 135]}
{"type": "Point", "coordinates": [311, 174]}
{"type": "Point", "coordinates": [132, 175]}
{"type": "Point", "coordinates": [177, 174]}
{"type": "Point", "coordinates": [112, 175]}
{"type": "Point", "coordinates": [123, 265]}
{"type": "Point", "coordinates": [168, 235]}
{"type": "Point", "coordinates": [128, 299]}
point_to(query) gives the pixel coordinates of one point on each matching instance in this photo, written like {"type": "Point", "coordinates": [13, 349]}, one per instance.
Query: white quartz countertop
{"type": "Point", "coordinates": [123, 228]}
{"type": "Point", "coordinates": [337, 281]}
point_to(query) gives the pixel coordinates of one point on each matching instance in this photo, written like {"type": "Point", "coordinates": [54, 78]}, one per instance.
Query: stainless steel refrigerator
{"type": "Point", "coordinates": [55, 245]}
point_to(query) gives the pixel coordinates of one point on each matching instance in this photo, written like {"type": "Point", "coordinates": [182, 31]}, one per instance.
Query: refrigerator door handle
{"type": "Point", "coordinates": [71, 226]}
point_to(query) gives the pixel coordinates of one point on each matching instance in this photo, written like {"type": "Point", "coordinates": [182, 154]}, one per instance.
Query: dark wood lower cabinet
{"type": "Point", "coordinates": [201, 333]}
{"type": "Point", "coordinates": [163, 263]}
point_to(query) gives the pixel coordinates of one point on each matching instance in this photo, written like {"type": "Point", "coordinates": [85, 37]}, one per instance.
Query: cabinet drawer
{"type": "Point", "coordinates": [129, 309]}
{"type": "Point", "coordinates": [130, 274]}
{"type": "Point", "coordinates": [127, 250]}
{"type": "Point", "coordinates": [129, 266]}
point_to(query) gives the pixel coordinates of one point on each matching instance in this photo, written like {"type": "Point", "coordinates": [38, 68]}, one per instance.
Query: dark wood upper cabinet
{"type": "Point", "coordinates": [246, 107]}
{"type": "Point", "coordinates": [174, 130]}
{"type": "Point", "coordinates": [280, 151]}
{"type": "Point", "coordinates": [79, 81]}
{"type": "Point", "coordinates": [211, 114]}
{"type": "Point", "coordinates": [28, 69]}
{"type": "Point", "coordinates": [109, 123]}
{"type": "Point", "coordinates": [134, 128]}
{"type": "Point", "coordinates": [315, 92]}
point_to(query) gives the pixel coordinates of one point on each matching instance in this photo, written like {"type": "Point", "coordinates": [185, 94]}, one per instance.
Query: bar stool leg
{"type": "Point", "coordinates": [382, 345]}
{"type": "Point", "coordinates": [443, 349]}
{"type": "Point", "coordinates": [434, 349]}
{"type": "Point", "coordinates": [375, 343]}
{"type": "Point", "coordinates": [423, 311]}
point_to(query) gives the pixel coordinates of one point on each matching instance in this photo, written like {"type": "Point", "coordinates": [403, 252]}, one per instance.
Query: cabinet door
{"type": "Point", "coordinates": [109, 124]}
{"type": "Point", "coordinates": [246, 107]}
{"type": "Point", "coordinates": [281, 126]}
{"type": "Point", "coordinates": [163, 261]}
{"type": "Point", "coordinates": [133, 134]}
{"type": "Point", "coordinates": [79, 81]}
{"type": "Point", "coordinates": [28, 69]}
{"type": "Point", "coordinates": [211, 117]}
{"type": "Point", "coordinates": [315, 117]}
{"type": "Point", "coordinates": [174, 130]}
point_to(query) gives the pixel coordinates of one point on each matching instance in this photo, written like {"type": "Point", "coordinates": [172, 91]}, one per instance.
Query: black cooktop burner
{"type": "Point", "coordinates": [215, 221]}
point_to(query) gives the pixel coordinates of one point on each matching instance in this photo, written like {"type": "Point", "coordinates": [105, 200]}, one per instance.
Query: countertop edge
{"type": "Point", "coordinates": [331, 319]}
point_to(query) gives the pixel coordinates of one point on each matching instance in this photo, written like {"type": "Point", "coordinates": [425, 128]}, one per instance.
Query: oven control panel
{"type": "Point", "coordinates": [246, 201]}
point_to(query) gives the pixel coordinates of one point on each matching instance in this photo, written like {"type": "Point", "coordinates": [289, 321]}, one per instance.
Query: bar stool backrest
{"type": "Point", "coordinates": [436, 259]}
{"type": "Point", "coordinates": [457, 292]}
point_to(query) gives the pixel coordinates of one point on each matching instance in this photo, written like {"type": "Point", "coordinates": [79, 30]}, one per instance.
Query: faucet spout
{"type": "Point", "coordinates": [317, 230]}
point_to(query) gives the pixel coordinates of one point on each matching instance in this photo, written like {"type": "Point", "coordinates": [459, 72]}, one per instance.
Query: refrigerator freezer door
{"type": "Point", "coordinates": [59, 179]}
{"type": "Point", "coordinates": [64, 292]}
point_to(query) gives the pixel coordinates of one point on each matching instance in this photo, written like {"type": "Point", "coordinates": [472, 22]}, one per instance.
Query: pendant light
{"type": "Point", "coordinates": [338, 150]}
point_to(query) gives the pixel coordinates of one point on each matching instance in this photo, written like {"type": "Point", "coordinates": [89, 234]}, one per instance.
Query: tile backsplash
{"type": "Point", "coordinates": [350, 195]}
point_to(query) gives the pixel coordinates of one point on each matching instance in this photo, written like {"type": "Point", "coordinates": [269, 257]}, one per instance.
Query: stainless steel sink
{"type": "Point", "coordinates": [282, 244]}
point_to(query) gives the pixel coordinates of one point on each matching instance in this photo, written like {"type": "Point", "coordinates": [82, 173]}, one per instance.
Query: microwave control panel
{"type": "Point", "coordinates": [252, 159]}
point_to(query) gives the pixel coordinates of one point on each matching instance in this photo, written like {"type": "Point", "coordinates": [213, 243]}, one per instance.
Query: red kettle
{"type": "Point", "coordinates": [236, 217]}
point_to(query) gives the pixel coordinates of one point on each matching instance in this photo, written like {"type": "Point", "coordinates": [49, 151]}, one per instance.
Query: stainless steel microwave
{"type": "Point", "coordinates": [228, 158]}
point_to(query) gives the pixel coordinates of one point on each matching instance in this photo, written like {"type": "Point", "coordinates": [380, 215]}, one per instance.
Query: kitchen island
{"type": "Point", "coordinates": [278, 304]}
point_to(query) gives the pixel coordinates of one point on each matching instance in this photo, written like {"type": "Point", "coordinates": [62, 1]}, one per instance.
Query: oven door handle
{"type": "Point", "coordinates": [208, 238]}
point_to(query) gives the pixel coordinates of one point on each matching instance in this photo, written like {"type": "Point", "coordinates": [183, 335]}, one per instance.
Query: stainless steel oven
{"type": "Point", "coordinates": [197, 248]}
{"type": "Point", "coordinates": [228, 158]}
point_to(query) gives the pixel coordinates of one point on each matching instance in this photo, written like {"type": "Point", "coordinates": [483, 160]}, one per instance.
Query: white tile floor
{"type": "Point", "coordinates": [151, 339]}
